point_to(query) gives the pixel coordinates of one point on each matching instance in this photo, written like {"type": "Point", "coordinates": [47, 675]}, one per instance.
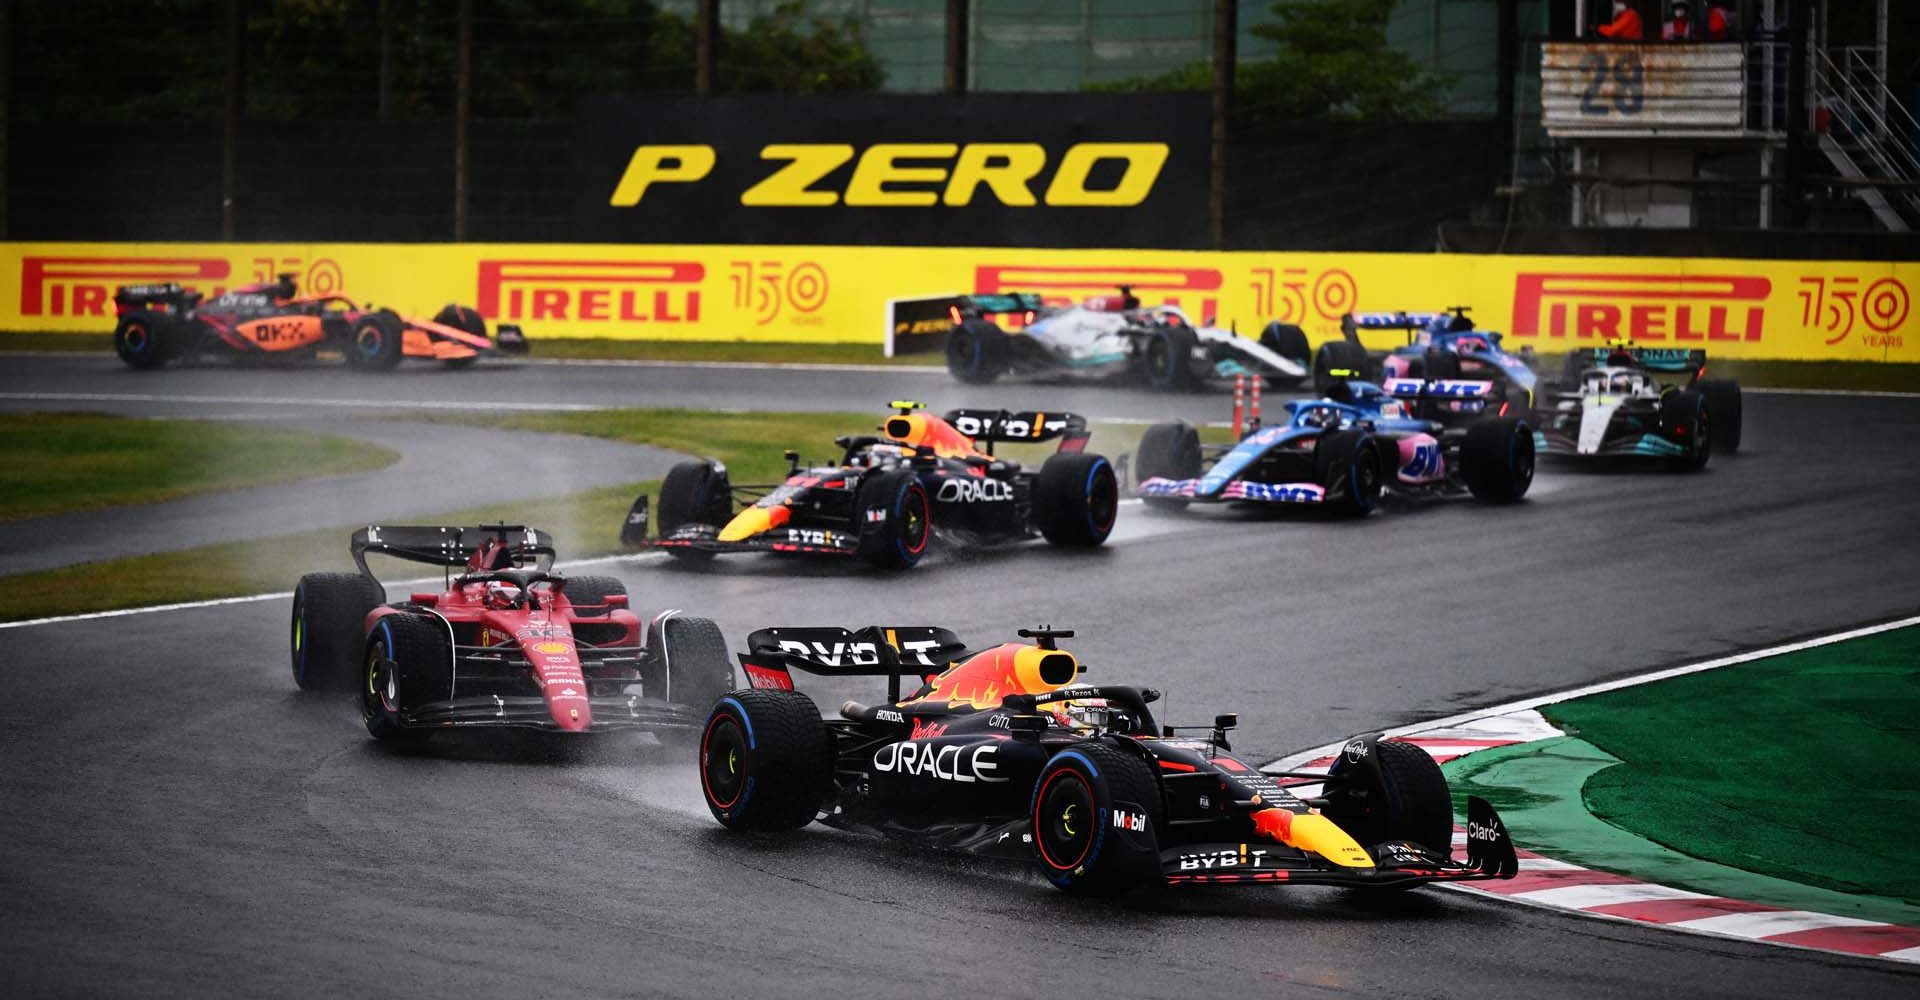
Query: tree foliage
{"type": "Point", "coordinates": [130, 60]}
{"type": "Point", "coordinates": [1330, 60]}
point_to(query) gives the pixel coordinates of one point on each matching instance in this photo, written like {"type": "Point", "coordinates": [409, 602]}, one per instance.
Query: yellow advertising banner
{"type": "Point", "coordinates": [1808, 310]}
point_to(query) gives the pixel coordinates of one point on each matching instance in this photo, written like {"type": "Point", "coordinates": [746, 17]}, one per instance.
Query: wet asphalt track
{"type": "Point", "coordinates": [178, 820]}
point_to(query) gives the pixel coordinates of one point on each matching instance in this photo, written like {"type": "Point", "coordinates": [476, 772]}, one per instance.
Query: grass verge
{"type": "Point", "coordinates": [584, 524]}
{"type": "Point", "coordinates": [61, 462]}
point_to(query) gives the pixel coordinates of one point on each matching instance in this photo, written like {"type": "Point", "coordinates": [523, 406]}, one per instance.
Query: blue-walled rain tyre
{"type": "Point", "coordinates": [766, 760]}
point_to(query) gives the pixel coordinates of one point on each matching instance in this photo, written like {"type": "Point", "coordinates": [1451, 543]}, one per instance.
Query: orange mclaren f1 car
{"type": "Point", "coordinates": [161, 323]}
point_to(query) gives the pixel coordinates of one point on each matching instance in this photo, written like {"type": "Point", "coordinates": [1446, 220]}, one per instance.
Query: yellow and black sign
{"type": "Point", "coordinates": [1095, 170]}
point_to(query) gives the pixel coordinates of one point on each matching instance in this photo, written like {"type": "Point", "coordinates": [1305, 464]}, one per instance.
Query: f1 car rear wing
{"type": "Point", "coordinates": [982, 306]}
{"type": "Point", "coordinates": [1653, 359]}
{"type": "Point", "coordinates": [169, 297]}
{"type": "Point", "coordinates": [1451, 318]}
{"type": "Point", "coordinates": [1020, 427]}
{"type": "Point", "coordinates": [890, 651]}
{"type": "Point", "coordinates": [1437, 388]}
{"type": "Point", "coordinates": [495, 546]}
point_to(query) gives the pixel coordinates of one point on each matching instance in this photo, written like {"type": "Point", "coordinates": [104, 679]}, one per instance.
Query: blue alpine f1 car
{"type": "Point", "coordinates": [1440, 345]}
{"type": "Point", "coordinates": [1344, 450]}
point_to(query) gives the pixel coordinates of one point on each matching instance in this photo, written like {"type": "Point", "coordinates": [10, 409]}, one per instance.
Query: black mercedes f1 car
{"type": "Point", "coordinates": [1004, 752]}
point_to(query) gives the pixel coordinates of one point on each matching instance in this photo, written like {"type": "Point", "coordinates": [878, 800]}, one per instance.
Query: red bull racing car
{"type": "Point", "coordinates": [1004, 752]}
{"type": "Point", "coordinates": [923, 478]}
{"type": "Point", "coordinates": [505, 642]}
{"type": "Point", "coordinates": [162, 323]}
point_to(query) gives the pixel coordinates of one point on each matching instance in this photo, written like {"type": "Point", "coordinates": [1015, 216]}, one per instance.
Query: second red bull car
{"type": "Point", "coordinates": [923, 478]}
{"type": "Point", "coordinates": [505, 642]}
{"type": "Point", "coordinates": [1004, 752]}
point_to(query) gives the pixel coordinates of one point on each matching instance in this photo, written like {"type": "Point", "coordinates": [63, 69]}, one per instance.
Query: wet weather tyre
{"type": "Point", "coordinates": [1076, 499]}
{"type": "Point", "coordinates": [1167, 451]}
{"type": "Point", "coordinates": [699, 669]}
{"type": "Point", "coordinates": [1337, 355]}
{"type": "Point", "coordinates": [1439, 364]}
{"type": "Point", "coordinates": [143, 340]}
{"type": "Point", "coordinates": [328, 627]}
{"type": "Point", "coordinates": [1497, 459]}
{"type": "Point", "coordinates": [1686, 419]}
{"type": "Point", "coordinates": [1348, 465]}
{"type": "Point", "coordinates": [1723, 411]}
{"type": "Point", "coordinates": [1405, 799]}
{"type": "Point", "coordinates": [977, 352]}
{"type": "Point", "coordinates": [467, 320]}
{"type": "Point", "coordinates": [694, 493]}
{"type": "Point", "coordinates": [1169, 358]}
{"type": "Point", "coordinates": [588, 594]}
{"type": "Point", "coordinates": [898, 536]}
{"type": "Point", "coordinates": [374, 342]}
{"type": "Point", "coordinates": [1082, 845]}
{"type": "Point", "coordinates": [1288, 341]}
{"type": "Point", "coordinates": [408, 662]}
{"type": "Point", "coordinates": [766, 762]}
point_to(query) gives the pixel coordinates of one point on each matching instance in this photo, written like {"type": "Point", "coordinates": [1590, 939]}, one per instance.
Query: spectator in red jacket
{"type": "Point", "coordinates": [1625, 26]}
{"type": "Point", "coordinates": [1683, 28]}
{"type": "Point", "coordinates": [1680, 28]}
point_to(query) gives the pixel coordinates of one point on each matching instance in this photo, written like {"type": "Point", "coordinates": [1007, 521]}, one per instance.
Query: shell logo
{"type": "Point", "coordinates": [552, 648]}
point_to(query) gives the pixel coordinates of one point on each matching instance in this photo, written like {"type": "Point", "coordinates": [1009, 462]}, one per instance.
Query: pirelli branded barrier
{"type": "Point", "coordinates": [1842, 310]}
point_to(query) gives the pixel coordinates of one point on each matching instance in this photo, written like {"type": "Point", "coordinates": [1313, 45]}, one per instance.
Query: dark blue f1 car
{"type": "Point", "coordinates": [1344, 450]}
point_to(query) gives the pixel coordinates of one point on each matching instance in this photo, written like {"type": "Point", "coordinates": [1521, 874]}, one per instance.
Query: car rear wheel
{"type": "Point", "coordinates": [1167, 451]}
{"type": "Point", "coordinates": [328, 627]}
{"type": "Point", "coordinates": [374, 341]}
{"type": "Point", "coordinates": [698, 667]}
{"type": "Point", "coordinates": [408, 662]}
{"type": "Point", "coordinates": [1685, 419]}
{"type": "Point", "coordinates": [766, 760]}
{"type": "Point", "coordinates": [1337, 356]}
{"type": "Point", "coordinates": [1076, 499]}
{"type": "Point", "coordinates": [1497, 459]}
{"type": "Point", "coordinates": [143, 340]}
{"type": "Point", "coordinates": [1288, 341]}
{"type": "Point", "coordinates": [694, 493]}
{"type": "Point", "coordinates": [1169, 357]}
{"type": "Point", "coordinates": [977, 352]}
{"type": "Point", "coordinates": [588, 594]}
{"type": "Point", "coordinates": [1723, 412]}
{"type": "Point", "coordinates": [1097, 816]}
{"type": "Point", "coordinates": [1348, 465]}
{"type": "Point", "coordinates": [896, 519]}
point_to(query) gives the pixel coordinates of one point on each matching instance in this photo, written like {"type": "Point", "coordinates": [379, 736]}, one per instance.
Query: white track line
{"type": "Point", "coordinates": [1294, 759]}
{"type": "Point", "coordinates": [320, 401]}
{"type": "Point", "coordinates": [280, 595]}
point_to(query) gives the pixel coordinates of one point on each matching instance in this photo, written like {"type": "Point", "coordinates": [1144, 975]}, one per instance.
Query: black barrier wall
{"type": "Point", "coordinates": [930, 170]}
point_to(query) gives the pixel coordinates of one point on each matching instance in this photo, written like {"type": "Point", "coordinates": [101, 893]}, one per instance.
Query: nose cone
{"type": "Point", "coordinates": [1314, 833]}
{"type": "Point", "coordinates": [754, 521]}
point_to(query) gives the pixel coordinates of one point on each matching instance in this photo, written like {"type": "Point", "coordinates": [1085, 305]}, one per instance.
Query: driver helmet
{"type": "Point", "coordinates": [501, 594]}
{"type": "Point", "coordinates": [1472, 345]}
{"type": "Point", "coordinates": [1320, 416]}
{"type": "Point", "coordinates": [1082, 715]}
{"type": "Point", "coordinates": [1622, 382]}
{"type": "Point", "coordinates": [879, 455]}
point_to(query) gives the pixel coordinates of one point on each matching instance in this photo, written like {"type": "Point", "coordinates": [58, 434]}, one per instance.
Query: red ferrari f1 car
{"type": "Point", "coordinates": [159, 323]}
{"type": "Point", "coordinates": [504, 642]}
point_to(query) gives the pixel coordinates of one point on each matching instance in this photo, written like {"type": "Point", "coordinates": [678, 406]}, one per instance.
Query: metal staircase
{"type": "Point", "coordinates": [1868, 135]}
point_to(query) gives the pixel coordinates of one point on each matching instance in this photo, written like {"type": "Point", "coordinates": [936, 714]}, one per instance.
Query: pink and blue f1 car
{"type": "Point", "coordinates": [1344, 450]}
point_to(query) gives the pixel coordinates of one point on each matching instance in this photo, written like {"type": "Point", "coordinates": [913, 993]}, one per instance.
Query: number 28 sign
{"type": "Point", "coordinates": [1589, 88]}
